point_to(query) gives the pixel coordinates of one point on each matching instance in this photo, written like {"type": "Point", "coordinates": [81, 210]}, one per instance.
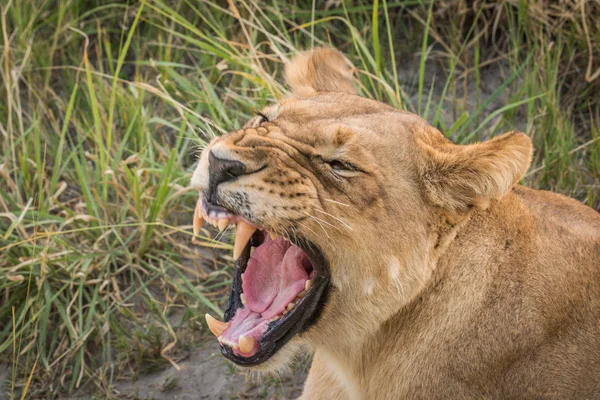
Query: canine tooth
{"type": "Point", "coordinates": [301, 294]}
{"type": "Point", "coordinates": [252, 250]}
{"type": "Point", "coordinates": [273, 235]}
{"type": "Point", "coordinates": [246, 343]}
{"type": "Point", "coordinates": [243, 298]}
{"type": "Point", "coordinates": [197, 221]}
{"type": "Point", "coordinates": [275, 318]}
{"type": "Point", "coordinates": [243, 233]}
{"type": "Point", "coordinates": [216, 327]}
{"type": "Point", "coordinates": [223, 224]}
{"type": "Point", "coordinates": [307, 285]}
{"type": "Point", "coordinates": [290, 306]}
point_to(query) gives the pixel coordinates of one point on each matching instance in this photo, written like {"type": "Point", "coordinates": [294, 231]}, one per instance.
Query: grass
{"type": "Point", "coordinates": [104, 107]}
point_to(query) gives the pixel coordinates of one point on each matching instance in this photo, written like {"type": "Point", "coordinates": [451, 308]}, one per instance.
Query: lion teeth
{"type": "Point", "coordinates": [275, 318]}
{"type": "Point", "coordinates": [243, 298]}
{"type": "Point", "coordinates": [290, 306]}
{"type": "Point", "coordinates": [301, 294]}
{"type": "Point", "coordinates": [243, 233]}
{"type": "Point", "coordinates": [273, 235]}
{"type": "Point", "coordinates": [223, 223]}
{"type": "Point", "coordinates": [307, 285]}
{"type": "Point", "coordinates": [246, 344]}
{"type": "Point", "coordinates": [215, 326]}
{"type": "Point", "coordinates": [198, 219]}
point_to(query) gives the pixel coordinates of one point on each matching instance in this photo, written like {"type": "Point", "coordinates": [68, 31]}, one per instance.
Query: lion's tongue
{"type": "Point", "coordinates": [275, 274]}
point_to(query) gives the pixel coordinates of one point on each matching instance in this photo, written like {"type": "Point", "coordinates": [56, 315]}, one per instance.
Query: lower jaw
{"type": "Point", "coordinates": [301, 318]}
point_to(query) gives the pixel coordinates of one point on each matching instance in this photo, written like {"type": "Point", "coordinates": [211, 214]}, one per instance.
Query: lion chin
{"type": "Point", "coordinates": [410, 266]}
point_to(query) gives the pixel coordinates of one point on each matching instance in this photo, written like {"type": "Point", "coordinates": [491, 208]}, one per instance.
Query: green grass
{"type": "Point", "coordinates": [104, 107]}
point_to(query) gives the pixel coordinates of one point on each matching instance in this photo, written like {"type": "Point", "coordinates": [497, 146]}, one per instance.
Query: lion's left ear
{"type": "Point", "coordinates": [457, 178]}
{"type": "Point", "coordinates": [319, 70]}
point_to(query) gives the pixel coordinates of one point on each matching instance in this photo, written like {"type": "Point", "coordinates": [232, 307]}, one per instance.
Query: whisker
{"type": "Point", "coordinates": [318, 222]}
{"type": "Point", "coordinates": [334, 217]}
{"type": "Point", "coordinates": [338, 202]}
{"type": "Point", "coordinates": [323, 221]}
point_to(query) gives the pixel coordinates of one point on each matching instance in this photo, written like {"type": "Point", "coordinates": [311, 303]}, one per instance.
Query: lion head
{"type": "Point", "coordinates": [342, 206]}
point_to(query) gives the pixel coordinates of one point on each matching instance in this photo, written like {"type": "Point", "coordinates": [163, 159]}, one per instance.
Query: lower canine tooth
{"type": "Point", "coordinates": [307, 285]}
{"type": "Point", "coordinates": [243, 233]}
{"type": "Point", "coordinates": [246, 343]}
{"type": "Point", "coordinates": [197, 221]}
{"type": "Point", "coordinates": [215, 326]}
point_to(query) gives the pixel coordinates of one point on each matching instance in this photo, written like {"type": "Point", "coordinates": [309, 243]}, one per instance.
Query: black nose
{"type": "Point", "coordinates": [219, 171]}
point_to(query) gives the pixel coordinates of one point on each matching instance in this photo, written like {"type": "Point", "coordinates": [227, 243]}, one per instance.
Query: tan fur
{"type": "Point", "coordinates": [449, 281]}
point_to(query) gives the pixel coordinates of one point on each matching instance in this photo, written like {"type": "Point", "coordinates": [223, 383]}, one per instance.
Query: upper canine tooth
{"type": "Point", "coordinates": [223, 224]}
{"type": "Point", "coordinates": [215, 326]}
{"type": "Point", "coordinates": [197, 221]}
{"type": "Point", "coordinates": [243, 233]}
{"type": "Point", "coordinates": [246, 343]}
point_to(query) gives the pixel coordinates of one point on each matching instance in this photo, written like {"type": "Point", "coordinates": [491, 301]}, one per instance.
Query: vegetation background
{"type": "Point", "coordinates": [105, 105]}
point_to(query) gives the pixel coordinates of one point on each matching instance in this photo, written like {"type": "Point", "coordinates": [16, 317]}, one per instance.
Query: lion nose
{"type": "Point", "coordinates": [219, 171]}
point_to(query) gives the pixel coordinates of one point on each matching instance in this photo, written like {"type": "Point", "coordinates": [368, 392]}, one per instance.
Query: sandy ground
{"type": "Point", "coordinates": [205, 374]}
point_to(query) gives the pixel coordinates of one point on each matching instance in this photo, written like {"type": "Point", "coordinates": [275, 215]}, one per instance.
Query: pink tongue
{"type": "Point", "coordinates": [275, 274]}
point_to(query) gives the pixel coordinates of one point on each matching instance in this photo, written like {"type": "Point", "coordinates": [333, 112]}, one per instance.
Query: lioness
{"type": "Point", "coordinates": [412, 267]}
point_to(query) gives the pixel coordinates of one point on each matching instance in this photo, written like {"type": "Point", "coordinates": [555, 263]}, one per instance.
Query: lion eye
{"type": "Point", "coordinates": [263, 117]}
{"type": "Point", "coordinates": [337, 165]}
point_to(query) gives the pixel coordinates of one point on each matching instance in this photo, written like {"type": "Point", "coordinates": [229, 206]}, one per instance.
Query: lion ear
{"type": "Point", "coordinates": [458, 177]}
{"type": "Point", "coordinates": [319, 70]}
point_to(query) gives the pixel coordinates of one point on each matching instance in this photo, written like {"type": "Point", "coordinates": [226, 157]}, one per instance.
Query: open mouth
{"type": "Point", "coordinates": [279, 287]}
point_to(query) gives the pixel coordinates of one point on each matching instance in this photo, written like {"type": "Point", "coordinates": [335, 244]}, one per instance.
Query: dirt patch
{"type": "Point", "coordinates": [206, 374]}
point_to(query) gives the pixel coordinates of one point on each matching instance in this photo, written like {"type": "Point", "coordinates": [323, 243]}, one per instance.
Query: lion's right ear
{"type": "Point", "coordinates": [319, 70]}
{"type": "Point", "coordinates": [456, 177]}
